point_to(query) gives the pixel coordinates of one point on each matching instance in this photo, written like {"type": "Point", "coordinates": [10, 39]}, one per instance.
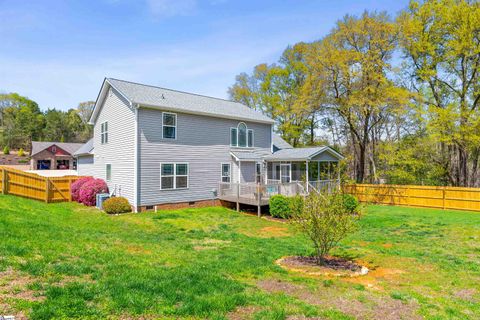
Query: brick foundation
{"type": "Point", "coordinates": [182, 205]}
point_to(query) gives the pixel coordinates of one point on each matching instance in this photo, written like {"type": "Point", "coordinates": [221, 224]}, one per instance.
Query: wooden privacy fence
{"type": "Point", "coordinates": [458, 198]}
{"type": "Point", "coordinates": [33, 186]}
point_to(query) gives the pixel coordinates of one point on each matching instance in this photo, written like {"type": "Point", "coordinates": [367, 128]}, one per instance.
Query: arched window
{"type": "Point", "coordinates": [241, 136]}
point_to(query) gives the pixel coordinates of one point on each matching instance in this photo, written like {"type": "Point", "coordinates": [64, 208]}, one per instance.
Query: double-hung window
{"type": "Point", "coordinates": [169, 125]}
{"type": "Point", "coordinates": [226, 172]}
{"type": "Point", "coordinates": [173, 176]}
{"type": "Point", "coordinates": [241, 136]}
{"type": "Point", "coordinates": [104, 132]}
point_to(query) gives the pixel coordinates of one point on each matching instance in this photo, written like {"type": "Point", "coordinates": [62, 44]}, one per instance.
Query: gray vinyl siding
{"type": "Point", "coordinates": [119, 151]}
{"type": "Point", "coordinates": [85, 166]}
{"type": "Point", "coordinates": [203, 142]}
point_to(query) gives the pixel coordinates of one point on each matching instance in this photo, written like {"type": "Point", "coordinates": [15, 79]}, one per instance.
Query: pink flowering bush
{"type": "Point", "coordinates": [75, 187]}
{"type": "Point", "coordinates": [90, 189]}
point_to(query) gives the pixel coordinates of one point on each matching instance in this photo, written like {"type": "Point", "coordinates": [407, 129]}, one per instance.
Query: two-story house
{"type": "Point", "coordinates": [161, 148]}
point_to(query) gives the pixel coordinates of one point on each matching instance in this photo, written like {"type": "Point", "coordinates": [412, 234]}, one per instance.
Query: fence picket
{"type": "Point", "coordinates": [33, 186]}
{"type": "Point", "coordinates": [457, 198]}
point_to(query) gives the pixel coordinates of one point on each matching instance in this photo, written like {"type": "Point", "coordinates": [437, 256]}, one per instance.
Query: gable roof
{"type": "Point", "coordinates": [279, 143]}
{"type": "Point", "coordinates": [302, 154]}
{"type": "Point", "coordinates": [39, 146]}
{"type": "Point", "coordinates": [85, 149]}
{"type": "Point", "coordinates": [141, 95]}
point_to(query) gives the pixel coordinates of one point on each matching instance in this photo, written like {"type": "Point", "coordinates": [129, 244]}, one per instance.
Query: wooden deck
{"type": "Point", "coordinates": [257, 194]}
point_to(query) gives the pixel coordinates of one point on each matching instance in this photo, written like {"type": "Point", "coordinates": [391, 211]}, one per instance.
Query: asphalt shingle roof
{"type": "Point", "coordinates": [250, 155]}
{"type": "Point", "coordinates": [86, 149]}
{"type": "Point", "coordinates": [162, 98]}
{"type": "Point", "coordinates": [39, 146]}
{"type": "Point", "coordinates": [280, 143]}
{"type": "Point", "coordinates": [296, 153]}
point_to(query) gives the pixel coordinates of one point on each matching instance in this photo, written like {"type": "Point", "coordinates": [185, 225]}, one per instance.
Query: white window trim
{"type": "Point", "coordinates": [238, 136]}
{"type": "Point", "coordinates": [229, 171]}
{"type": "Point", "coordinates": [103, 133]}
{"type": "Point", "coordinates": [106, 175]}
{"type": "Point", "coordinates": [253, 138]}
{"type": "Point", "coordinates": [231, 144]}
{"type": "Point", "coordinates": [167, 125]}
{"type": "Point", "coordinates": [175, 176]}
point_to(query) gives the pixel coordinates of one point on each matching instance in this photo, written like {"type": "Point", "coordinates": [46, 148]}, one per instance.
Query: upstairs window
{"type": "Point", "coordinates": [241, 136]}
{"type": "Point", "coordinates": [173, 176]}
{"type": "Point", "coordinates": [169, 125]}
{"type": "Point", "coordinates": [104, 132]}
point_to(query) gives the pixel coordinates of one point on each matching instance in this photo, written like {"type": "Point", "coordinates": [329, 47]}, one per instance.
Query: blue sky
{"type": "Point", "coordinates": [58, 52]}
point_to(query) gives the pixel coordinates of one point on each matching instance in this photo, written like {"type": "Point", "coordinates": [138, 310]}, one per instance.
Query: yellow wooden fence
{"type": "Point", "coordinates": [33, 186]}
{"type": "Point", "coordinates": [458, 198]}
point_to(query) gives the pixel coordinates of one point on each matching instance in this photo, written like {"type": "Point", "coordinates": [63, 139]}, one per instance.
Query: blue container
{"type": "Point", "coordinates": [101, 197]}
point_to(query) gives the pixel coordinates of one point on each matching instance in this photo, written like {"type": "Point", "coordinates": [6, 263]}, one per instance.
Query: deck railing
{"type": "Point", "coordinates": [259, 191]}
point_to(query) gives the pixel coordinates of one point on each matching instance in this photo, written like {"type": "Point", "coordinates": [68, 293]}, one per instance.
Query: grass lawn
{"type": "Point", "coordinates": [66, 261]}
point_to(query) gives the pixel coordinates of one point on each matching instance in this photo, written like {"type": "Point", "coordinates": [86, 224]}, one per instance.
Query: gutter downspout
{"type": "Point", "coordinates": [136, 174]}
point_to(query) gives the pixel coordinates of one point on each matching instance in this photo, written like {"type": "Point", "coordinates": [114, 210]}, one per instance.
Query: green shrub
{"type": "Point", "coordinates": [116, 205]}
{"type": "Point", "coordinates": [326, 221]}
{"type": "Point", "coordinates": [6, 150]}
{"type": "Point", "coordinates": [21, 153]}
{"type": "Point", "coordinates": [279, 206]}
{"type": "Point", "coordinates": [295, 205]}
{"type": "Point", "coordinates": [350, 202]}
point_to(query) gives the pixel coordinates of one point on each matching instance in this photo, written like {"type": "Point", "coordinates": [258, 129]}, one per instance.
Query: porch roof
{"type": "Point", "coordinates": [301, 154]}
{"type": "Point", "coordinates": [249, 155]}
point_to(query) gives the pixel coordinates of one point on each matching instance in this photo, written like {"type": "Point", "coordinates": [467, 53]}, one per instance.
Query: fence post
{"type": "Point", "coordinates": [4, 181]}
{"type": "Point", "coordinates": [70, 189]}
{"type": "Point", "coordinates": [443, 202]}
{"type": "Point", "coordinates": [47, 190]}
{"type": "Point", "coordinates": [259, 196]}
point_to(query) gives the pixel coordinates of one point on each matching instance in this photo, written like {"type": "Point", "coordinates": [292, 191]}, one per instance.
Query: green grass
{"type": "Point", "coordinates": [77, 262]}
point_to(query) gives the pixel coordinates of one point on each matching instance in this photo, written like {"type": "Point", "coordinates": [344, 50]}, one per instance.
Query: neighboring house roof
{"type": "Point", "coordinates": [279, 143]}
{"type": "Point", "coordinates": [39, 146]}
{"type": "Point", "coordinates": [301, 154]}
{"type": "Point", "coordinates": [142, 95]}
{"type": "Point", "coordinates": [86, 149]}
{"type": "Point", "coordinates": [249, 155]}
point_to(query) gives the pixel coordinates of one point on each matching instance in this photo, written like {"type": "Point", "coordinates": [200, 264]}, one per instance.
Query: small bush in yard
{"type": "Point", "coordinates": [89, 190]}
{"type": "Point", "coordinates": [21, 153]}
{"type": "Point", "coordinates": [279, 206]}
{"type": "Point", "coordinates": [75, 187]}
{"type": "Point", "coordinates": [325, 220]}
{"type": "Point", "coordinates": [350, 202]}
{"type": "Point", "coordinates": [295, 205]}
{"type": "Point", "coordinates": [6, 150]}
{"type": "Point", "coordinates": [116, 205]}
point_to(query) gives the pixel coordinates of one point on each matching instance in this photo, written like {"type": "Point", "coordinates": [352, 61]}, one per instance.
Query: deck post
{"type": "Point", "coordinates": [238, 196]}
{"type": "Point", "coordinates": [306, 169]}
{"type": "Point", "coordinates": [259, 196]}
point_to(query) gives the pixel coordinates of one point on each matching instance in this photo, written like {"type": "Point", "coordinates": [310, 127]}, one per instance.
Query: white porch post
{"type": "Point", "coordinates": [266, 172]}
{"type": "Point", "coordinates": [239, 171]}
{"type": "Point", "coordinates": [306, 163]}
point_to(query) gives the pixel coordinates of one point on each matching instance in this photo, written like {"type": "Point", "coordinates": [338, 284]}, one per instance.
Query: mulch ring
{"type": "Point", "coordinates": [333, 266]}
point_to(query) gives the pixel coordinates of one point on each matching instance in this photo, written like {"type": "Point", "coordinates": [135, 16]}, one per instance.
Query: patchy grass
{"type": "Point", "coordinates": [68, 261]}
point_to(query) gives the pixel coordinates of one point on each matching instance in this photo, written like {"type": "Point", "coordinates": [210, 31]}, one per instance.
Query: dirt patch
{"type": "Point", "coordinates": [387, 245]}
{"type": "Point", "coordinates": [14, 284]}
{"type": "Point", "coordinates": [371, 280]}
{"type": "Point", "coordinates": [373, 307]}
{"type": "Point", "coordinates": [274, 232]}
{"type": "Point", "coordinates": [134, 249]}
{"type": "Point", "coordinates": [242, 313]}
{"type": "Point", "coordinates": [71, 279]}
{"type": "Point", "coordinates": [333, 266]}
{"type": "Point", "coordinates": [466, 294]}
